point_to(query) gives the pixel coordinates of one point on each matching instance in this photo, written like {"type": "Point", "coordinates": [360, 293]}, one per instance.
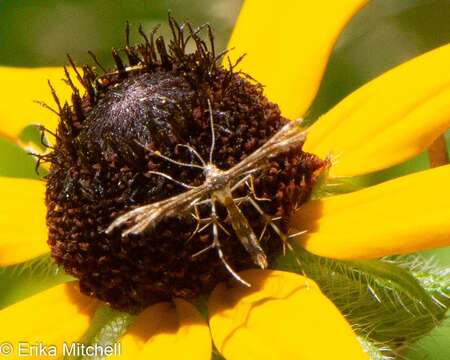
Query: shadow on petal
{"type": "Point", "coordinates": [283, 316]}
{"type": "Point", "coordinates": [170, 331]}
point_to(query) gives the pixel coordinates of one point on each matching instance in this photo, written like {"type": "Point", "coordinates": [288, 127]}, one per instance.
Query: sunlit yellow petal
{"type": "Point", "coordinates": [165, 331]}
{"type": "Point", "coordinates": [20, 88]}
{"type": "Point", "coordinates": [282, 316]}
{"type": "Point", "coordinates": [51, 317]}
{"type": "Point", "coordinates": [287, 43]}
{"type": "Point", "coordinates": [389, 120]}
{"type": "Point", "coordinates": [23, 232]}
{"type": "Point", "coordinates": [404, 215]}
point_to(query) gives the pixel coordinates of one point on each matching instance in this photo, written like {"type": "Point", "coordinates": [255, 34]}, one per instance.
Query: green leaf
{"type": "Point", "coordinates": [396, 279]}
{"type": "Point", "coordinates": [20, 281]}
{"type": "Point", "coordinates": [16, 162]}
{"type": "Point", "coordinates": [42, 29]}
{"type": "Point", "coordinates": [433, 346]}
{"type": "Point", "coordinates": [382, 35]}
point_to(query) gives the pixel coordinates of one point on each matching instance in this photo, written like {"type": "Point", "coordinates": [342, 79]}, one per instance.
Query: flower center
{"type": "Point", "coordinates": [143, 134]}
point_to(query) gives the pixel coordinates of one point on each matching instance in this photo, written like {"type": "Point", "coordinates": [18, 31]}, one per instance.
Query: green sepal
{"type": "Point", "coordinates": [383, 301]}
{"type": "Point", "coordinates": [106, 328]}
{"type": "Point", "coordinates": [396, 279]}
{"type": "Point", "coordinates": [329, 186]}
{"type": "Point", "coordinates": [20, 281]}
{"type": "Point", "coordinates": [376, 351]}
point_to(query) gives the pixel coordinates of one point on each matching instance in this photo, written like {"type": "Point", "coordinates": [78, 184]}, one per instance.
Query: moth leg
{"type": "Point", "coordinates": [215, 223]}
{"type": "Point", "coordinates": [271, 221]}
{"type": "Point", "coordinates": [196, 216]}
{"type": "Point", "coordinates": [216, 244]}
{"type": "Point", "coordinates": [284, 237]}
{"type": "Point", "coordinates": [240, 200]}
{"type": "Point", "coordinates": [203, 202]}
{"type": "Point", "coordinates": [202, 251]}
{"type": "Point", "coordinates": [251, 185]}
{"type": "Point", "coordinates": [240, 182]}
{"type": "Point", "coordinates": [266, 225]}
{"type": "Point", "coordinates": [168, 177]}
{"type": "Point", "coordinates": [211, 246]}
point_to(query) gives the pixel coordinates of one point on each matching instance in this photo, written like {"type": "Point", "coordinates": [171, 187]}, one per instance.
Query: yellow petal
{"type": "Point", "coordinates": [165, 331]}
{"type": "Point", "coordinates": [389, 120]}
{"type": "Point", "coordinates": [282, 316]}
{"type": "Point", "coordinates": [288, 43]}
{"type": "Point", "coordinates": [51, 317]}
{"type": "Point", "coordinates": [23, 232]}
{"type": "Point", "coordinates": [404, 215]}
{"type": "Point", "coordinates": [20, 88]}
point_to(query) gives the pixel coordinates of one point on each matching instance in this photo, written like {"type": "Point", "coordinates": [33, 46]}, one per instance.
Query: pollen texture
{"type": "Point", "coordinates": [103, 163]}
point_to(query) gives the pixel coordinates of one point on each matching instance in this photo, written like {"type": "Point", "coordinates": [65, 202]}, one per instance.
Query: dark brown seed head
{"type": "Point", "coordinates": [101, 162]}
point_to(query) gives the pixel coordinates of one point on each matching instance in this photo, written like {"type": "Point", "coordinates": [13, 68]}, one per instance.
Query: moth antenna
{"type": "Point", "coordinates": [164, 175]}
{"type": "Point", "coordinates": [179, 163]}
{"type": "Point", "coordinates": [193, 151]}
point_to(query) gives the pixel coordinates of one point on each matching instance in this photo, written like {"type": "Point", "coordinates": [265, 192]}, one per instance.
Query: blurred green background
{"type": "Point", "coordinates": [386, 33]}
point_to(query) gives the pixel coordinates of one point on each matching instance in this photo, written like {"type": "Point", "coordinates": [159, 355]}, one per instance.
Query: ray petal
{"type": "Point", "coordinates": [282, 316]}
{"type": "Point", "coordinates": [400, 216]}
{"type": "Point", "coordinates": [288, 44]}
{"type": "Point", "coordinates": [23, 233]}
{"type": "Point", "coordinates": [168, 331]}
{"type": "Point", "coordinates": [21, 87]}
{"type": "Point", "coordinates": [389, 120]}
{"type": "Point", "coordinates": [60, 314]}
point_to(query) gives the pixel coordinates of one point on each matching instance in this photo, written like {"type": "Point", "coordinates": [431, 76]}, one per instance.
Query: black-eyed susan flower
{"type": "Point", "coordinates": [103, 164]}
